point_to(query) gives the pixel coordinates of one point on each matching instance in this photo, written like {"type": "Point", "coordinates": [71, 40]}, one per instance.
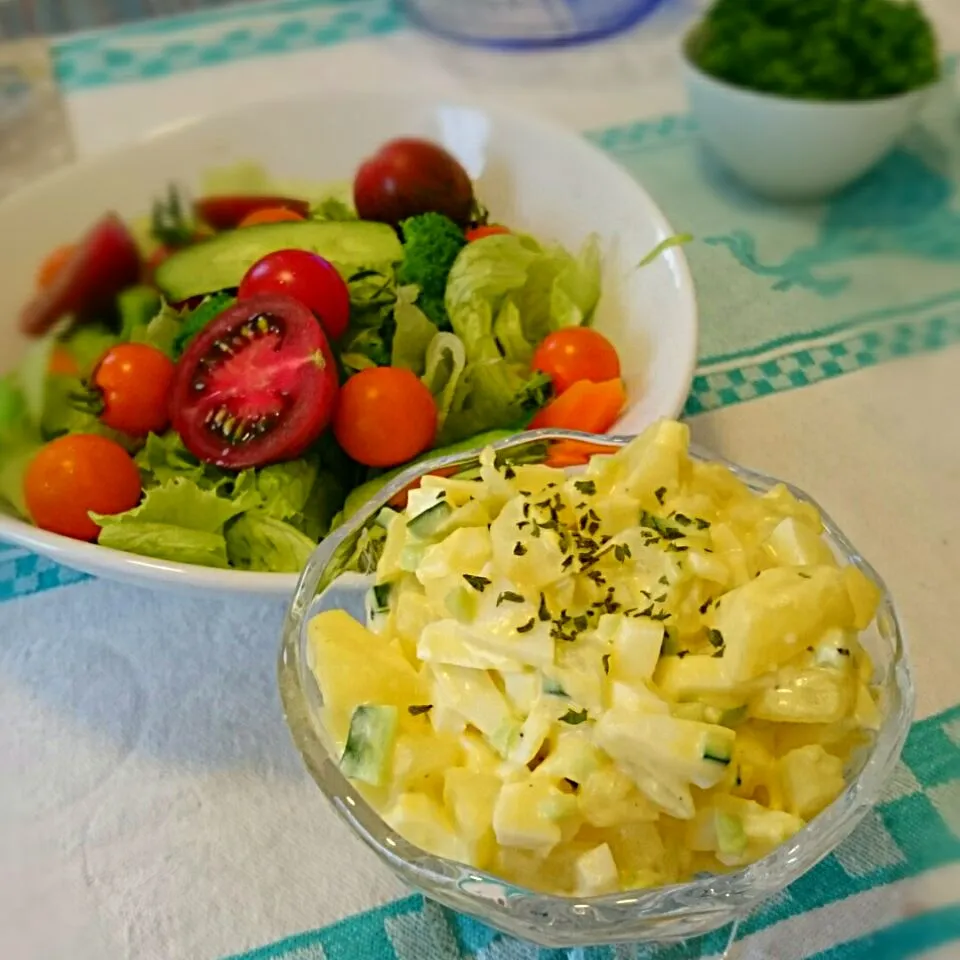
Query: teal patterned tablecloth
{"type": "Point", "coordinates": [153, 805]}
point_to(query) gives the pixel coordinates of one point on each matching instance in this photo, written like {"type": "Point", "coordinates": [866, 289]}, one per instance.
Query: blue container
{"type": "Point", "coordinates": [526, 24]}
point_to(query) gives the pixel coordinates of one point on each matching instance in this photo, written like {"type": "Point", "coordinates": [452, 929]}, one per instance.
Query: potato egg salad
{"type": "Point", "coordinates": [603, 680]}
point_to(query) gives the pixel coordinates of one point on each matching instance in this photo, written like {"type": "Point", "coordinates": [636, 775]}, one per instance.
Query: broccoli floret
{"type": "Point", "coordinates": [431, 243]}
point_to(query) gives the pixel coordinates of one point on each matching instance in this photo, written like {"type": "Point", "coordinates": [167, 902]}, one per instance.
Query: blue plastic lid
{"type": "Point", "coordinates": [527, 24]}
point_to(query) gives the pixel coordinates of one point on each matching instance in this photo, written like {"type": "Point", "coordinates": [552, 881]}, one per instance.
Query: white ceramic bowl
{"type": "Point", "coordinates": [789, 149]}
{"type": "Point", "coordinates": [532, 174]}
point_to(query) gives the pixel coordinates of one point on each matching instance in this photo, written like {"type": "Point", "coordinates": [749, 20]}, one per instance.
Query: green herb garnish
{"type": "Point", "coordinates": [573, 717]}
{"type": "Point", "coordinates": [836, 50]}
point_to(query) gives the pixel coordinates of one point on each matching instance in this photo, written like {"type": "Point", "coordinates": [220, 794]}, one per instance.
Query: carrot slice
{"type": "Point", "coordinates": [574, 453]}
{"type": "Point", "coordinates": [63, 364]}
{"type": "Point", "coordinates": [53, 264]}
{"type": "Point", "coordinates": [585, 406]}
{"type": "Point", "coordinates": [270, 215]}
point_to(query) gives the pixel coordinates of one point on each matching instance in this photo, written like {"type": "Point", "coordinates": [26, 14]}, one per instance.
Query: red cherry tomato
{"type": "Point", "coordinates": [87, 279]}
{"type": "Point", "coordinates": [226, 212]}
{"type": "Point", "coordinates": [257, 385]}
{"type": "Point", "coordinates": [307, 278]}
{"type": "Point", "coordinates": [490, 230]}
{"type": "Point", "coordinates": [385, 416]}
{"type": "Point", "coordinates": [408, 177]}
{"type": "Point", "coordinates": [134, 381]}
{"type": "Point", "coordinates": [576, 353]}
{"type": "Point", "coordinates": [77, 474]}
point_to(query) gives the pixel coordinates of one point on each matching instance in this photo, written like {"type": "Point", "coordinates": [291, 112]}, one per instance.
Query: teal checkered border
{"type": "Point", "coordinates": [806, 365]}
{"type": "Point", "coordinates": [152, 50]}
{"type": "Point", "coordinates": [913, 829]}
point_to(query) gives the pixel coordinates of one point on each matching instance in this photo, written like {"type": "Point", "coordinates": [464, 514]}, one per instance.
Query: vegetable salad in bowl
{"type": "Point", "coordinates": [636, 674]}
{"type": "Point", "coordinates": [218, 383]}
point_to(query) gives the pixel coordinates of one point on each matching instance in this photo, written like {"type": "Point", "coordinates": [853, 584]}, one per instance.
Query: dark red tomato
{"type": "Point", "coordinates": [104, 262]}
{"type": "Point", "coordinates": [257, 385]}
{"type": "Point", "coordinates": [307, 278]}
{"type": "Point", "coordinates": [408, 177]}
{"type": "Point", "coordinates": [226, 213]}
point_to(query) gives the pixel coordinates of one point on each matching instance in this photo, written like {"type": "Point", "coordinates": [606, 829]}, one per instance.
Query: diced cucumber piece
{"type": "Point", "coordinates": [373, 730]}
{"type": "Point", "coordinates": [731, 836]}
{"type": "Point", "coordinates": [718, 749]}
{"type": "Point", "coordinates": [462, 604]}
{"type": "Point", "coordinates": [427, 524]}
{"type": "Point", "coordinates": [385, 516]}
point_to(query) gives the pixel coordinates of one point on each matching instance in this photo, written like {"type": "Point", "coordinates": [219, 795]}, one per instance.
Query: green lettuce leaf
{"type": "Point", "coordinates": [258, 541]}
{"type": "Point", "coordinates": [19, 441]}
{"type": "Point", "coordinates": [165, 541]}
{"type": "Point", "coordinates": [198, 318]}
{"type": "Point", "coordinates": [285, 488]}
{"type": "Point", "coordinates": [165, 458]}
{"type": "Point", "coordinates": [508, 331]}
{"type": "Point", "coordinates": [137, 306]}
{"type": "Point", "coordinates": [181, 502]}
{"type": "Point", "coordinates": [87, 343]}
{"type": "Point", "coordinates": [549, 288]}
{"type": "Point", "coordinates": [69, 407]}
{"type": "Point", "coordinates": [178, 521]}
{"type": "Point", "coordinates": [162, 331]}
{"type": "Point", "coordinates": [413, 334]}
{"type": "Point", "coordinates": [445, 362]}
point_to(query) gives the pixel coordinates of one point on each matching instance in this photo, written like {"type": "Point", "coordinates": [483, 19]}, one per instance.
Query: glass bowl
{"type": "Point", "coordinates": [661, 914]}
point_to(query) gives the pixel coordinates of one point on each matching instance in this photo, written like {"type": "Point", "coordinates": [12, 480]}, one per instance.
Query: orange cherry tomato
{"type": "Point", "coordinates": [385, 416]}
{"type": "Point", "coordinates": [490, 230]}
{"type": "Point", "coordinates": [74, 475]}
{"type": "Point", "coordinates": [270, 215]}
{"type": "Point", "coordinates": [135, 381]}
{"type": "Point", "coordinates": [53, 263]}
{"type": "Point", "coordinates": [63, 364]}
{"type": "Point", "coordinates": [576, 353]}
{"type": "Point", "coordinates": [586, 406]}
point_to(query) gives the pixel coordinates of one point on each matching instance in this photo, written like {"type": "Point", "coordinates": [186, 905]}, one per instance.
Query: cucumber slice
{"type": "Point", "coordinates": [369, 748]}
{"type": "Point", "coordinates": [427, 524]}
{"type": "Point", "coordinates": [731, 836]}
{"type": "Point", "coordinates": [718, 748]}
{"type": "Point", "coordinates": [221, 262]}
{"type": "Point", "coordinates": [379, 599]}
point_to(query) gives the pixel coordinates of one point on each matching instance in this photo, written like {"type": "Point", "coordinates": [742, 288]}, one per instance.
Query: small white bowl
{"type": "Point", "coordinates": [788, 149]}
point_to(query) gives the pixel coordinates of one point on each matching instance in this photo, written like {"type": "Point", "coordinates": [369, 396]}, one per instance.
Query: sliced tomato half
{"type": "Point", "coordinates": [258, 385]}
{"type": "Point", "coordinates": [102, 264]}
{"type": "Point", "coordinates": [226, 212]}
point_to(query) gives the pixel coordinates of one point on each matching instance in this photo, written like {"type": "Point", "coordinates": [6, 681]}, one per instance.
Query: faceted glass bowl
{"type": "Point", "coordinates": [660, 914]}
